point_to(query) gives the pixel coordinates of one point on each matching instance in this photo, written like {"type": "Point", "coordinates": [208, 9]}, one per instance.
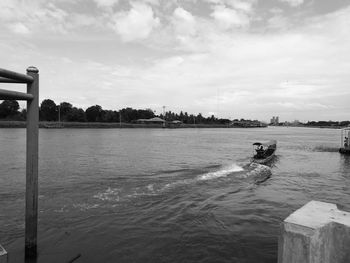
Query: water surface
{"type": "Point", "coordinates": [165, 195]}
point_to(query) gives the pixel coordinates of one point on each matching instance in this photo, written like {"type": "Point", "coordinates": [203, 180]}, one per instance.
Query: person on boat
{"type": "Point", "coordinates": [346, 142]}
{"type": "Point", "coordinates": [260, 151]}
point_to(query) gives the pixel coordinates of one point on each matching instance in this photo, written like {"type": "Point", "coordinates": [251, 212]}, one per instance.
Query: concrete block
{"type": "Point", "coordinates": [316, 233]}
{"type": "Point", "coordinates": [3, 255]}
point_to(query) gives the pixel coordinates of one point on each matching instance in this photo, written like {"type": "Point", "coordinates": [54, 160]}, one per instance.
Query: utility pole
{"type": "Point", "coordinates": [164, 116]}
{"type": "Point", "coordinates": [59, 113]}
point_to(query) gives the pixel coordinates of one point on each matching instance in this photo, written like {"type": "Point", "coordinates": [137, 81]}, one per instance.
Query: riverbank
{"type": "Point", "coordinates": [104, 125]}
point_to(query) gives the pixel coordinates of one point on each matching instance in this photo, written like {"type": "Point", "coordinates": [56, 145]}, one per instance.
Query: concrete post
{"type": "Point", "coordinates": [3, 255]}
{"type": "Point", "coordinates": [316, 233]}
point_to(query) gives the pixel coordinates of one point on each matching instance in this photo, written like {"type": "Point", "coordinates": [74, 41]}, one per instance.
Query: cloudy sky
{"type": "Point", "coordinates": [232, 58]}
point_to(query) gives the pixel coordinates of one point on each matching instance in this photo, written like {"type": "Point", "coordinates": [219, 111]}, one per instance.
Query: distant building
{"type": "Point", "coordinates": [174, 124]}
{"type": "Point", "coordinates": [294, 123]}
{"type": "Point", "coordinates": [274, 120]}
{"type": "Point", "coordinates": [155, 120]}
{"type": "Point", "coordinates": [246, 123]}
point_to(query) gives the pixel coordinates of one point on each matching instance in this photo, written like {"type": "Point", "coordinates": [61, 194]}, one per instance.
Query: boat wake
{"type": "Point", "coordinates": [256, 172]}
{"type": "Point", "coordinates": [225, 171]}
{"type": "Point", "coordinates": [259, 172]}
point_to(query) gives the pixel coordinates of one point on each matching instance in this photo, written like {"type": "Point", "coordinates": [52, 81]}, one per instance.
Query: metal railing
{"type": "Point", "coordinates": [32, 149]}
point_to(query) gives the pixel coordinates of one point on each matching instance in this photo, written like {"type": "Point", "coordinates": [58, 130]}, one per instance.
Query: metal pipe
{"type": "Point", "coordinates": [31, 210]}
{"type": "Point", "coordinates": [15, 76]}
{"type": "Point", "coordinates": [14, 95]}
{"type": "Point", "coordinates": [7, 80]}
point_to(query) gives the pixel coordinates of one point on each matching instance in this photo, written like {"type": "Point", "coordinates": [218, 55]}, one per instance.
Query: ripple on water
{"type": "Point", "coordinates": [111, 194]}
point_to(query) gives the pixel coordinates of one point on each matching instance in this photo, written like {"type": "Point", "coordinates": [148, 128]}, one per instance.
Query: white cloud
{"type": "Point", "coordinates": [293, 3]}
{"type": "Point", "coordinates": [135, 24]}
{"type": "Point", "coordinates": [106, 3]}
{"type": "Point", "coordinates": [152, 2]}
{"type": "Point", "coordinates": [19, 28]}
{"type": "Point", "coordinates": [228, 18]}
{"type": "Point", "coordinates": [278, 22]}
{"type": "Point", "coordinates": [34, 15]}
{"type": "Point", "coordinates": [82, 20]}
{"type": "Point", "coordinates": [184, 22]}
{"type": "Point", "coordinates": [285, 73]}
{"type": "Point", "coordinates": [244, 6]}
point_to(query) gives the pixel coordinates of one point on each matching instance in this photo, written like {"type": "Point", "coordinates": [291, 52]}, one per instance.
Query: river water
{"type": "Point", "coordinates": [165, 195]}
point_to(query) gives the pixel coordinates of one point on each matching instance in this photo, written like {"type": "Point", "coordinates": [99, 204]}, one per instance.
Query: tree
{"type": "Point", "coordinates": [144, 114]}
{"type": "Point", "coordinates": [94, 113]}
{"type": "Point", "coordinates": [199, 118]}
{"type": "Point", "coordinates": [76, 115]}
{"type": "Point", "coordinates": [128, 114]}
{"type": "Point", "coordinates": [110, 116]}
{"type": "Point", "coordinates": [48, 110]}
{"type": "Point", "coordinates": [65, 110]}
{"type": "Point", "coordinates": [9, 108]}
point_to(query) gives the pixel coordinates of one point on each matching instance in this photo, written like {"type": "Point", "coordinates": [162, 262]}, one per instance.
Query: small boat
{"type": "Point", "coordinates": [264, 151]}
{"type": "Point", "coordinates": [345, 141]}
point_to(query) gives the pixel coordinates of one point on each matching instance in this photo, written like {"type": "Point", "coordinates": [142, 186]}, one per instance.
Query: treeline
{"type": "Point", "coordinates": [9, 110]}
{"type": "Point", "coordinates": [327, 123]}
{"type": "Point", "coordinates": [65, 111]}
{"type": "Point", "coordinates": [192, 119]}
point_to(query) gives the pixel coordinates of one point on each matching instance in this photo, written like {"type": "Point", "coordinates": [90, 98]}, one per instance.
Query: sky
{"type": "Point", "coordinates": [250, 59]}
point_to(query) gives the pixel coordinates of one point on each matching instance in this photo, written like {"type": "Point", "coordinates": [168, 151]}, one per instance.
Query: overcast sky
{"type": "Point", "coordinates": [231, 58]}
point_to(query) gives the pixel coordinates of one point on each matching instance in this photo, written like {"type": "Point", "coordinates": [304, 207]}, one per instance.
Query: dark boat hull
{"type": "Point", "coordinates": [344, 151]}
{"type": "Point", "coordinates": [263, 160]}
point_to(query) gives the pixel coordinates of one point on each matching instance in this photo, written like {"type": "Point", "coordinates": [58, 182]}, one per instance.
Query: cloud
{"type": "Point", "coordinates": [228, 18]}
{"type": "Point", "coordinates": [106, 3]}
{"type": "Point", "coordinates": [293, 3]}
{"type": "Point", "coordinates": [230, 14]}
{"type": "Point", "coordinates": [184, 22]}
{"type": "Point", "coordinates": [19, 28]}
{"type": "Point", "coordinates": [243, 6]}
{"type": "Point", "coordinates": [152, 2]}
{"type": "Point", "coordinates": [135, 24]}
{"type": "Point", "coordinates": [82, 20]}
{"type": "Point", "coordinates": [261, 74]}
{"type": "Point", "coordinates": [22, 16]}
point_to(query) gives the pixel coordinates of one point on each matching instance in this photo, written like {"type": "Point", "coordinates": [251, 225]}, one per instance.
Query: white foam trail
{"type": "Point", "coordinates": [221, 173]}
{"type": "Point", "coordinates": [150, 187]}
{"type": "Point", "coordinates": [111, 194]}
{"type": "Point", "coordinates": [259, 172]}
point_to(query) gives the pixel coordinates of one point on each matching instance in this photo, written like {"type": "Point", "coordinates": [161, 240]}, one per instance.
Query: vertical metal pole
{"type": "Point", "coordinates": [341, 139]}
{"type": "Point", "coordinates": [59, 114]}
{"type": "Point", "coordinates": [31, 213]}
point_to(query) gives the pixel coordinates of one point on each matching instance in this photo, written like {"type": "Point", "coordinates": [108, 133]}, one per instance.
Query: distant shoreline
{"type": "Point", "coordinates": [108, 125]}
{"type": "Point", "coordinates": [114, 125]}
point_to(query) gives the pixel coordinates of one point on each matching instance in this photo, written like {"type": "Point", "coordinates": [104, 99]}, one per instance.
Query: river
{"type": "Point", "coordinates": [165, 195]}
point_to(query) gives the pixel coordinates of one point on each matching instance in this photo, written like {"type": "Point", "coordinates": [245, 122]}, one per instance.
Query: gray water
{"type": "Point", "coordinates": [165, 195]}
